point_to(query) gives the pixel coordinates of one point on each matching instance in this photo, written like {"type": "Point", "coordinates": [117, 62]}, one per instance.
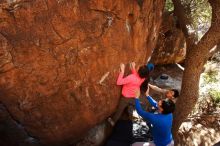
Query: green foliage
{"type": "Point", "coordinates": [211, 76]}
{"type": "Point", "coordinates": [215, 96]}
{"type": "Point", "coordinates": [169, 6]}
{"type": "Point", "coordinates": [199, 15]}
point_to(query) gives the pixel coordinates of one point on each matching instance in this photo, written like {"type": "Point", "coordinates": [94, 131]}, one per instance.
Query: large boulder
{"type": "Point", "coordinates": [171, 45]}
{"type": "Point", "coordinates": [59, 60]}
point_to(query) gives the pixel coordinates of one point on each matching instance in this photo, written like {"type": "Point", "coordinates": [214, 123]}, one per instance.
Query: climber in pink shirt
{"type": "Point", "coordinates": [131, 83]}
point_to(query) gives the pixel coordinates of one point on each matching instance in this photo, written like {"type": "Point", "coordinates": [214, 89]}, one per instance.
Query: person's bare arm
{"type": "Point", "coordinates": [157, 89]}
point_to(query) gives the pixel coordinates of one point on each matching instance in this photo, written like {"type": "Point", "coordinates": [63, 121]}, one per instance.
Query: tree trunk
{"type": "Point", "coordinates": [196, 57]}
{"type": "Point", "coordinates": [180, 14]}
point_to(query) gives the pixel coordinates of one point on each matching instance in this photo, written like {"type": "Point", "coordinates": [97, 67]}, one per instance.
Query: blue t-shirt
{"type": "Point", "coordinates": [162, 123]}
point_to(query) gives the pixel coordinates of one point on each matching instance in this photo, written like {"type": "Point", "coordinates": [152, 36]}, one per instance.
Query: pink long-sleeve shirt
{"type": "Point", "coordinates": [130, 83]}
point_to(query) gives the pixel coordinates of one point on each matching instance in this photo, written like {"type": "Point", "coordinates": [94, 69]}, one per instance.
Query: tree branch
{"type": "Point", "coordinates": [180, 14]}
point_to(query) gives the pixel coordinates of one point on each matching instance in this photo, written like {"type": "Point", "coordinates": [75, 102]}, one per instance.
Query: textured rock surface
{"type": "Point", "coordinates": [59, 58]}
{"type": "Point", "coordinates": [12, 133]}
{"type": "Point", "coordinates": [171, 46]}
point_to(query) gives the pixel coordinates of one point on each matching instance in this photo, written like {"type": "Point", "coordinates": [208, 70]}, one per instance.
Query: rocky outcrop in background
{"type": "Point", "coordinates": [59, 60]}
{"type": "Point", "coordinates": [171, 46]}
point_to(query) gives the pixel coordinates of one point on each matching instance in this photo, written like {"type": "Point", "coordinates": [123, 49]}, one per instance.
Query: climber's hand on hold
{"type": "Point", "coordinates": [132, 65]}
{"type": "Point", "coordinates": [122, 67]}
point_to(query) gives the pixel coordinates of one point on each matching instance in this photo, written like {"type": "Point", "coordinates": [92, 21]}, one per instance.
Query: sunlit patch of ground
{"type": "Point", "coordinates": [200, 131]}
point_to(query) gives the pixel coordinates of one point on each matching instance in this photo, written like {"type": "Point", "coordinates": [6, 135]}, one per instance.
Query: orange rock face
{"type": "Point", "coordinates": [171, 47]}
{"type": "Point", "coordinates": [59, 60]}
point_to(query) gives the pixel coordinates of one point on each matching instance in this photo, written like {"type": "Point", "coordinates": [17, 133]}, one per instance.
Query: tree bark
{"type": "Point", "coordinates": [180, 14]}
{"type": "Point", "coordinates": [196, 57]}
